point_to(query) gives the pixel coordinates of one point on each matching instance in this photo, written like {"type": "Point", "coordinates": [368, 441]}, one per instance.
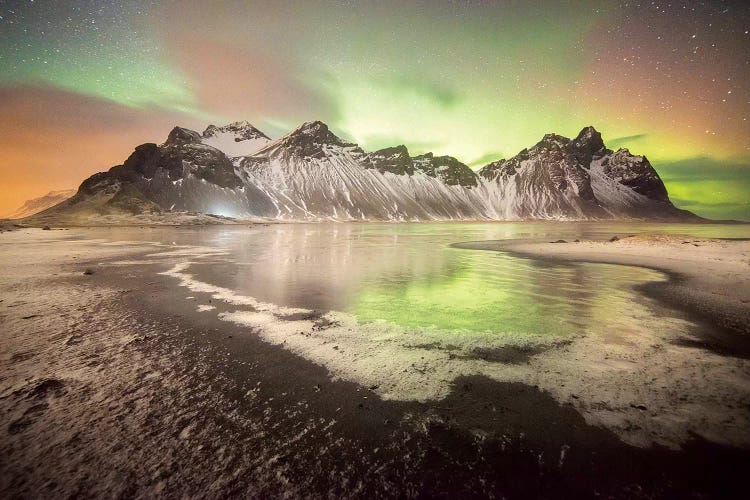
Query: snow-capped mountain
{"type": "Point", "coordinates": [311, 174]}
{"type": "Point", "coordinates": [182, 174]}
{"type": "Point", "coordinates": [235, 139]}
{"type": "Point", "coordinates": [575, 179]}
{"type": "Point", "coordinates": [36, 205]}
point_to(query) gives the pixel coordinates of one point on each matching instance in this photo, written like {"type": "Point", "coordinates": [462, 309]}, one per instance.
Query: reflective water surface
{"type": "Point", "coordinates": [408, 274]}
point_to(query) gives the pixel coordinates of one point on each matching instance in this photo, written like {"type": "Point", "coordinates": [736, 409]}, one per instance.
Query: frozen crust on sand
{"type": "Point", "coordinates": [710, 277]}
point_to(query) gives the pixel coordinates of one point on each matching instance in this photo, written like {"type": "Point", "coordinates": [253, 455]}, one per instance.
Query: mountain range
{"type": "Point", "coordinates": [312, 174]}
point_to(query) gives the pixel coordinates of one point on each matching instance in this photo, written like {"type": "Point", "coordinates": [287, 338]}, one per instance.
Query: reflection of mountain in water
{"type": "Point", "coordinates": [409, 275]}
{"type": "Point", "coordinates": [322, 267]}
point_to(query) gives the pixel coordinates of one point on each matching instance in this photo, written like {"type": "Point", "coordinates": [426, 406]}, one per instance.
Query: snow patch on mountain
{"type": "Point", "coordinates": [236, 139]}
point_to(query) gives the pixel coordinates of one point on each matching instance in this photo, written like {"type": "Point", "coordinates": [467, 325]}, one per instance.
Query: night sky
{"type": "Point", "coordinates": [83, 82]}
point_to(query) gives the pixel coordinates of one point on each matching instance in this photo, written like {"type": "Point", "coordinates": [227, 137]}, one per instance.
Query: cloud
{"type": "Point", "coordinates": [625, 141]}
{"type": "Point", "coordinates": [704, 168]}
{"type": "Point", "coordinates": [486, 158]}
{"type": "Point", "coordinates": [236, 82]}
{"type": "Point", "coordinates": [713, 188]}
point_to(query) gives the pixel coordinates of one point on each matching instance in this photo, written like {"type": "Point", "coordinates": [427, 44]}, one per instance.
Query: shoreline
{"type": "Point", "coordinates": [711, 282]}
{"type": "Point", "coordinates": [186, 219]}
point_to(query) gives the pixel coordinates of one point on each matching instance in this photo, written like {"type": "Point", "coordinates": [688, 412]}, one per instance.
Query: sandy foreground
{"type": "Point", "coordinates": [123, 374]}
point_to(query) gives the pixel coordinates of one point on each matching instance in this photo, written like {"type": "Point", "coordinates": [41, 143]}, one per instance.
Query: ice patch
{"type": "Point", "coordinates": [224, 294]}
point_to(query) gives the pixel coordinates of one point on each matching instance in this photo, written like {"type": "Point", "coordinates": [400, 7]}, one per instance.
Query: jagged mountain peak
{"type": "Point", "coordinates": [239, 124]}
{"type": "Point", "coordinates": [235, 139]}
{"type": "Point", "coordinates": [318, 132]}
{"type": "Point", "coordinates": [180, 135]}
{"type": "Point", "coordinates": [310, 139]}
{"type": "Point", "coordinates": [447, 168]}
{"type": "Point", "coordinates": [589, 133]}
{"type": "Point", "coordinates": [312, 125]}
{"type": "Point", "coordinates": [552, 141]}
{"type": "Point", "coordinates": [442, 159]}
{"type": "Point", "coordinates": [243, 130]}
{"type": "Point", "coordinates": [399, 150]}
{"type": "Point", "coordinates": [428, 155]}
{"type": "Point", "coordinates": [588, 138]}
{"type": "Point", "coordinates": [587, 145]}
{"type": "Point", "coordinates": [393, 159]}
{"type": "Point", "coordinates": [499, 167]}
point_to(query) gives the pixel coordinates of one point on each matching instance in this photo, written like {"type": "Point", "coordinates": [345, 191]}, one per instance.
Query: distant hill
{"type": "Point", "coordinates": [31, 207]}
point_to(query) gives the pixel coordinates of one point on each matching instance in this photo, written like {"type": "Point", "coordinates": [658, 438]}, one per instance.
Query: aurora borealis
{"type": "Point", "coordinates": [82, 83]}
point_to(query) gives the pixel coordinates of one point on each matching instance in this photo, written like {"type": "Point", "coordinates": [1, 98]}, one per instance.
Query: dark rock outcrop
{"type": "Point", "coordinates": [448, 169]}
{"type": "Point", "coordinates": [395, 160]}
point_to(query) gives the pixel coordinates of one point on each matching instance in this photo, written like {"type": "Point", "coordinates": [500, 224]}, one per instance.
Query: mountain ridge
{"type": "Point", "coordinates": [312, 174]}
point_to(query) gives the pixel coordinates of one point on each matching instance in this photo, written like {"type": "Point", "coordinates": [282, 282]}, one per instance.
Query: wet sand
{"type": "Point", "coordinates": [113, 384]}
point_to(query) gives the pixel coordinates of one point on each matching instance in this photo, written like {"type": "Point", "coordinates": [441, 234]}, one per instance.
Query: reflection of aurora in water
{"type": "Point", "coordinates": [485, 292]}
{"type": "Point", "coordinates": [410, 275]}
{"type": "Point", "coordinates": [344, 267]}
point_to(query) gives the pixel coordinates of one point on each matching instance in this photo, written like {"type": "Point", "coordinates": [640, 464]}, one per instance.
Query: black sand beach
{"type": "Point", "coordinates": [115, 385]}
